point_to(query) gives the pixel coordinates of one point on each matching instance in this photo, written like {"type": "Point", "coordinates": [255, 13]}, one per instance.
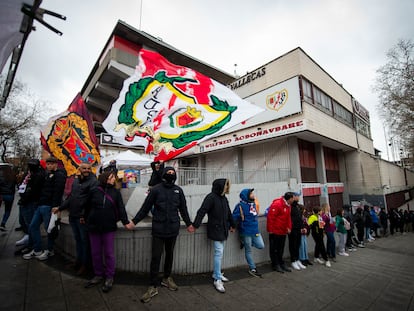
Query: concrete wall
{"type": "Point", "coordinates": [193, 252]}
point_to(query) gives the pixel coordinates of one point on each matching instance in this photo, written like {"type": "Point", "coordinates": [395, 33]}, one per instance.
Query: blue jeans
{"type": "Point", "coordinates": [8, 204]}
{"type": "Point", "coordinates": [330, 244]}
{"type": "Point", "coordinates": [218, 256]}
{"type": "Point", "coordinates": [303, 249]}
{"type": "Point", "coordinates": [41, 214]}
{"type": "Point", "coordinates": [81, 238]}
{"type": "Point", "coordinates": [249, 241]}
{"type": "Point", "coordinates": [26, 213]}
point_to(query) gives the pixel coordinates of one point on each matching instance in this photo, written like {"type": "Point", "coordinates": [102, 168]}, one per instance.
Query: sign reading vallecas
{"type": "Point", "coordinates": [251, 135]}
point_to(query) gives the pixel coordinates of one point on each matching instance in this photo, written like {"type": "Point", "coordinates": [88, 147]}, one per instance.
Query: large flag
{"type": "Point", "coordinates": [70, 137]}
{"type": "Point", "coordinates": [169, 108]}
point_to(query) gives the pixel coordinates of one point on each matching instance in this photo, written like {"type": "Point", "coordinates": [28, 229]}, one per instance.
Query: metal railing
{"type": "Point", "coordinates": [202, 176]}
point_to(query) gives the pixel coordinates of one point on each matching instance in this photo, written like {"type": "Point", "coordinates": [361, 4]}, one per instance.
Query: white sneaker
{"type": "Point", "coordinates": [302, 266]}
{"type": "Point", "coordinates": [320, 261]}
{"type": "Point", "coordinates": [223, 278]}
{"type": "Point", "coordinates": [328, 264]}
{"type": "Point", "coordinates": [218, 284]}
{"type": "Point", "coordinates": [343, 254]}
{"type": "Point", "coordinates": [23, 241]}
{"type": "Point", "coordinates": [295, 265]}
{"type": "Point", "coordinates": [32, 254]}
{"type": "Point", "coordinates": [45, 255]}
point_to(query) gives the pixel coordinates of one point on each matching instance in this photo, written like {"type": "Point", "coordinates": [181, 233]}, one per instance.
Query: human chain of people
{"type": "Point", "coordinates": [95, 206]}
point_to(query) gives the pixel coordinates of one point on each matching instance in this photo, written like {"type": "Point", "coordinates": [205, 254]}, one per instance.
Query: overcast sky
{"type": "Point", "coordinates": [349, 39]}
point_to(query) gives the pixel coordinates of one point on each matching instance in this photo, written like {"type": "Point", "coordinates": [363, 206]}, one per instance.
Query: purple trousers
{"type": "Point", "coordinates": [102, 253]}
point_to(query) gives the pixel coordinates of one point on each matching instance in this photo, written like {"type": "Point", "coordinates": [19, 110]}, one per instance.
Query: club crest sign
{"type": "Point", "coordinates": [277, 100]}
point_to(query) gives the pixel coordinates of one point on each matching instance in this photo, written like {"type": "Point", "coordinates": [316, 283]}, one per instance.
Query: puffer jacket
{"type": "Point", "coordinates": [216, 206]}
{"type": "Point", "coordinates": [165, 200]}
{"type": "Point", "coordinates": [279, 221]}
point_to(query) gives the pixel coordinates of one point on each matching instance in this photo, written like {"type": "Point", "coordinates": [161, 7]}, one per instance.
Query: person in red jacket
{"type": "Point", "coordinates": [279, 224]}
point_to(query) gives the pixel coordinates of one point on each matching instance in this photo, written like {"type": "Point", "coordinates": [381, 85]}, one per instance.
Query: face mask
{"type": "Point", "coordinates": [170, 178]}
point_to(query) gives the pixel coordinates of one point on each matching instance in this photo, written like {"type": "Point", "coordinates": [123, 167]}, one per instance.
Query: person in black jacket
{"type": "Point", "coordinates": [29, 191]}
{"type": "Point", "coordinates": [166, 200]}
{"type": "Point", "coordinates": [7, 190]}
{"type": "Point", "coordinates": [360, 225]}
{"type": "Point", "coordinates": [106, 209]}
{"type": "Point", "coordinates": [220, 221]}
{"type": "Point", "coordinates": [76, 203]}
{"type": "Point", "coordinates": [50, 196]}
{"type": "Point", "coordinates": [157, 171]}
{"type": "Point", "coordinates": [295, 234]}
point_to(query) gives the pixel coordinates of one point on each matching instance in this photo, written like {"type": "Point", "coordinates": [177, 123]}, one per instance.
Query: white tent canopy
{"type": "Point", "coordinates": [129, 159]}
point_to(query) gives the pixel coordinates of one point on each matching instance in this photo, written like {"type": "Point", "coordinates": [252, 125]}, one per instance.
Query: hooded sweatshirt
{"type": "Point", "coordinates": [245, 214]}
{"type": "Point", "coordinates": [216, 206]}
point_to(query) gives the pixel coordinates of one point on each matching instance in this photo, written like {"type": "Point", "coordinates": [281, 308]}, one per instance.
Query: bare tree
{"type": "Point", "coordinates": [395, 87]}
{"type": "Point", "coordinates": [20, 124]}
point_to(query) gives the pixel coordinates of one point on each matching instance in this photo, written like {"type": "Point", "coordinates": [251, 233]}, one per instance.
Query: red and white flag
{"type": "Point", "coordinates": [168, 109]}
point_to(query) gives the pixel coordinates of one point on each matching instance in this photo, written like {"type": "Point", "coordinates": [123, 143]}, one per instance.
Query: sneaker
{"type": "Point", "coordinates": [45, 255]}
{"type": "Point", "coordinates": [308, 262]}
{"type": "Point", "coordinates": [32, 254]}
{"type": "Point", "coordinates": [328, 264]}
{"type": "Point", "coordinates": [255, 273]}
{"type": "Point", "coordinates": [169, 283]}
{"type": "Point", "coordinates": [299, 263]}
{"type": "Point", "coordinates": [278, 269]}
{"type": "Point", "coordinates": [218, 284]}
{"type": "Point", "coordinates": [107, 285]}
{"type": "Point", "coordinates": [320, 261]}
{"type": "Point", "coordinates": [3, 227]}
{"type": "Point", "coordinates": [223, 278]}
{"type": "Point", "coordinates": [295, 266]}
{"type": "Point", "coordinates": [94, 281]}
{"type": "Point", "coordinates": [343, 254]}
{"type": "Point", "coordinates": [26, 250]}
{"type": "Point", "coordinates": [23, 241]}
{"type": "Point", "coordinates": [284, 268]}
{"type": "Point", "coordinates": [361, 245]}
{"type": "Point", "coordinates": [151, 292]}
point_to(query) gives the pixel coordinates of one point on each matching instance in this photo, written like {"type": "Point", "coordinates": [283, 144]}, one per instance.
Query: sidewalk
{"type": "Point", "coordinates": [379, 277]}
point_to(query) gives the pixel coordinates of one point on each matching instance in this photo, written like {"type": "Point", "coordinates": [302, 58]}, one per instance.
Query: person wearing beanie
{"type": "Point", "coordinates": [165, 201]}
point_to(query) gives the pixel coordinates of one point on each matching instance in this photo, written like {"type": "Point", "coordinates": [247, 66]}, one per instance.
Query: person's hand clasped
{"type": "Point", "coordinates": [130, 225]}
{"type": "Point", "coordinates": [191, 229]}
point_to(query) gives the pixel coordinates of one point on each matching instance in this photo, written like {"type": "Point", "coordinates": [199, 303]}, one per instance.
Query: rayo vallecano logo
{"type": "Point", "coordinates": [277, 100]}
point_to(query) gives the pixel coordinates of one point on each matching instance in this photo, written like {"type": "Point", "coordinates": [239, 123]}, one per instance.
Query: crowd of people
{"type": "Point", "coordinates": [95, 207]}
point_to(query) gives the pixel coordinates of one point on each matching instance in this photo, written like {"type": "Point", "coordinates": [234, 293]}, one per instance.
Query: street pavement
{"type": "Point", "coordinates": [378, 277]}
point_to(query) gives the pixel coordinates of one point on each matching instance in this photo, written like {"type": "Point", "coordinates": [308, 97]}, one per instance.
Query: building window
{"type": "Point", "coordinates": [362, 127]}
{"type": "Point", "coordinates": [341, 114]}
{"type": "Point", "coordinates": [322, 100]}
{"type": "Point", "coordinates": [307, 91]}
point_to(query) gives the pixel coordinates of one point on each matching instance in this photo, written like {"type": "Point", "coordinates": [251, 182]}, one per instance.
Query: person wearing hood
{"type": "Point", "coordinates": [165, 200]}
{"type": "Point", "coordinates": [220, 221]}
{"type": "Point", "coordinates": [245, 215]}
